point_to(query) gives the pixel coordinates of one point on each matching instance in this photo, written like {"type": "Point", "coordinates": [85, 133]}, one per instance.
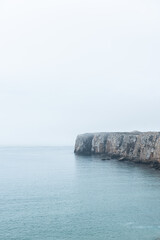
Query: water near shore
{"type": "Point", "coordinates": [49, 193]}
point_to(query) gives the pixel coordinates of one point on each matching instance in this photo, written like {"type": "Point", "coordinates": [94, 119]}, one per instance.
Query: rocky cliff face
{"type": "Point", "coordinates": [135, 146]}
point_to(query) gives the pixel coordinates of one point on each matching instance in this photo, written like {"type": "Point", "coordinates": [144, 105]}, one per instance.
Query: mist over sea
{"type": "Point", "coordinates": [49, 193]}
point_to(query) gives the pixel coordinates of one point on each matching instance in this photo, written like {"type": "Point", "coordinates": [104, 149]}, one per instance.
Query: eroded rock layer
{"type": "Point", "coordinates": [135, 146]}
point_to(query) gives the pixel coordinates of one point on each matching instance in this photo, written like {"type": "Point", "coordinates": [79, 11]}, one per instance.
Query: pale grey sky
{"type": "Point", "coordinates": [75, 66]}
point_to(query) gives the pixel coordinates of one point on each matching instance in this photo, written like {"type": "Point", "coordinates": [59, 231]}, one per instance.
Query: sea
{"type": "Point", "coordinates": [48, 193]}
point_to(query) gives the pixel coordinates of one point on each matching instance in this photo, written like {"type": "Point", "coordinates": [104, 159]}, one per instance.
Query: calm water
{"type": "Point", "coordinates": [48, 193]}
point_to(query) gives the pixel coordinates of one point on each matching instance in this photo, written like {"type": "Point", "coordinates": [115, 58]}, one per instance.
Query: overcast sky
{"type": "Point", "coordinates": [75, 66]}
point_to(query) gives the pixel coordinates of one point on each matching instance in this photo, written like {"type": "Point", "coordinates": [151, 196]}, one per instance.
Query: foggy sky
{"type": "Point", "coordinates": [75, 66]}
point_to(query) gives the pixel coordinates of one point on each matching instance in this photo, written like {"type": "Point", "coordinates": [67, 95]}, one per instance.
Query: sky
{"type": "Point", "coordinates": [73, 66]}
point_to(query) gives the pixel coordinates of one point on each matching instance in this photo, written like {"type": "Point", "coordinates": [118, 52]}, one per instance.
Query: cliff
{"type": "Point", "coordinates": [135, 146]}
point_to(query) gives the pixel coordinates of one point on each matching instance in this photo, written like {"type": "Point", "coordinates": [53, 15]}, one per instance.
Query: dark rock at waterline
{"type": "Point", "coordinates": [121, 159]}
{"type": "Point", "coordinates": [106, 158]}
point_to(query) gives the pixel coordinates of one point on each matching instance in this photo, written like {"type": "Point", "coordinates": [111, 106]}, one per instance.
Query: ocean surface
{"type": "Point", "coordinates": [48, 193]}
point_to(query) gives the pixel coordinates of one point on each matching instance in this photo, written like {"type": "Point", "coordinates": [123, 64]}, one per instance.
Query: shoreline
{"type": "Point", "coordinates": [138, 147]}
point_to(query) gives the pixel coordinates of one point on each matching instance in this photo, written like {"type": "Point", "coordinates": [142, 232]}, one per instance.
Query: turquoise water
{"type": "Point", "coordinates": [49, 194]}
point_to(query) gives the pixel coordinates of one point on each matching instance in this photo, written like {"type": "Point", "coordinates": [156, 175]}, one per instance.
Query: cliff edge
{"type": "Point", "coordinates": [135, 146]}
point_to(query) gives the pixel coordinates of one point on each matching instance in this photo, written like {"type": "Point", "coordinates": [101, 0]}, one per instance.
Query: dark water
{"type": "Point", "coordinates": [48, 193]}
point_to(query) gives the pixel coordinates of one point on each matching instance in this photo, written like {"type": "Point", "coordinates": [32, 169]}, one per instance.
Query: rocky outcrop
{"type": "Point", "coordinates": [136, 146]}
{"type": "Point", "coordinates": [84, 144]}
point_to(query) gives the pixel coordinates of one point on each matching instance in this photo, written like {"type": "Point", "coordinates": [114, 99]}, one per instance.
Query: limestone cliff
{"type": "Point", "coordinates": [136, 146]}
